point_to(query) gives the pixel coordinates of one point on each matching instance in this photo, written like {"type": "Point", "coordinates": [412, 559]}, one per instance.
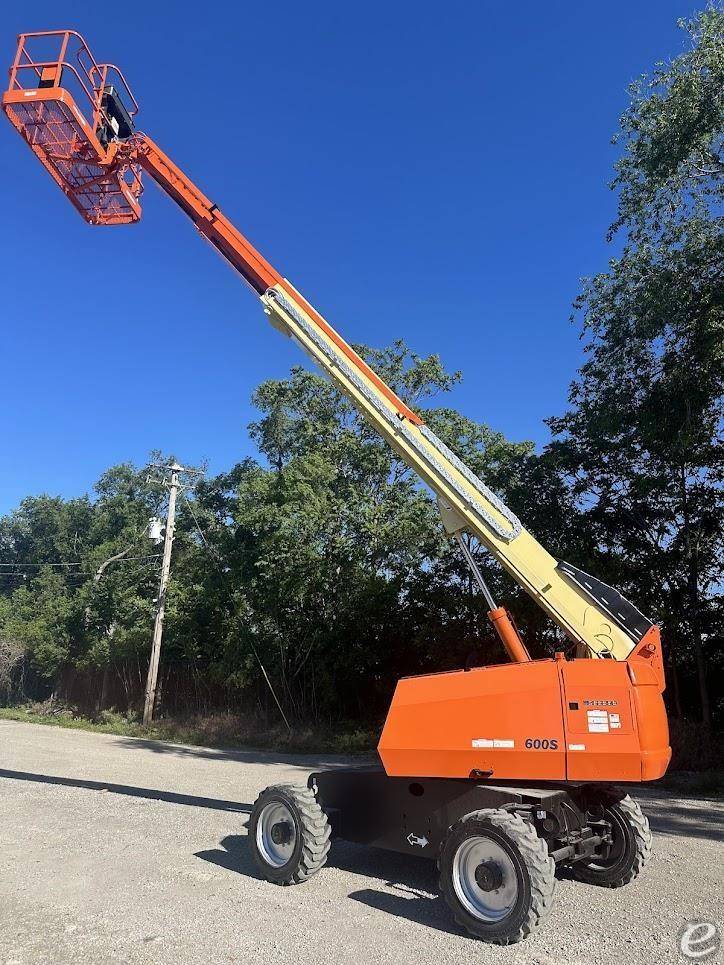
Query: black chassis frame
{"type": "Point", "coordinates": [413, 815]}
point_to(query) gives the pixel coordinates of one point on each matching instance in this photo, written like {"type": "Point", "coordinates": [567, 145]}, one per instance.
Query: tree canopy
{"type": "Point", "coordinates": [642, 442]}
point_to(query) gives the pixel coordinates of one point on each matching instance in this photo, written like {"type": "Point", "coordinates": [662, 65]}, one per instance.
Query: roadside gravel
{"type": "Point", "coordinates": [117, 850]}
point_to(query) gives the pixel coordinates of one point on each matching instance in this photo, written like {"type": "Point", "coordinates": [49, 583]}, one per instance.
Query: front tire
{"type": "Point", "coordinates": [496, 875]}
{"type": "Point", "coordinates": [629, 851]}
{"type": "Point", "coordinates": [289, 834]}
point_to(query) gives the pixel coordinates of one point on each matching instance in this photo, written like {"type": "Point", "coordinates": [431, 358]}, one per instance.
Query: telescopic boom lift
{"type": "Point", "coordinates": [559, 728]}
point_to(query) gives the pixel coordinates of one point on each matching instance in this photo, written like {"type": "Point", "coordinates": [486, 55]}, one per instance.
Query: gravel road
{"type": "Point", "coordinates": [120, 850]}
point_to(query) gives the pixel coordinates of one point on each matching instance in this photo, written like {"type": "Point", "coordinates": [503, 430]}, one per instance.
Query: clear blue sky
{"type": "Point", "coordinates": [436, 172]}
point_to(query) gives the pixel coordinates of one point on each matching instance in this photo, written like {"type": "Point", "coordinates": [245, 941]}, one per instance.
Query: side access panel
{"type": "Point", "coordinates": [503, 722]}
{"type": "Point", "coordinates": [601, 733]}
{"type": "Point", "coordinates": [615, 717]}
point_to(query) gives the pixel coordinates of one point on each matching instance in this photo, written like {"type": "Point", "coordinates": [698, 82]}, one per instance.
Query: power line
{"type": "Point", "coordinates": [27, 576]}
{"type": "Point", "coordinates": [142, 562]}
{"type": "Point", "coordinates": [76, 563]}
{"type": "Point", "coordinates": [125, 559]}
{"type": "Point", "coordinates": [32, 575]}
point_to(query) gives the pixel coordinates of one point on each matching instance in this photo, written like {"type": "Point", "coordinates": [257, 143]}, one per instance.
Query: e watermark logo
{"type": "Point", "coordinates": [699, 940]}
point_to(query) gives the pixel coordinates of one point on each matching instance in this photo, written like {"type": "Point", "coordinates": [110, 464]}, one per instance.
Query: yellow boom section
{"type": "Point", "coordinates": [465, 502]}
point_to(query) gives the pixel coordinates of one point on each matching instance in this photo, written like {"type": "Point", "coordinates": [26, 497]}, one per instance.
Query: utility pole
{"type": "Point", "coordinates": [173, 485]}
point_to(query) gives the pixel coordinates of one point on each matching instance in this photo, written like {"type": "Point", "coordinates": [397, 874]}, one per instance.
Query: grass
{"type": "Point", "coordinates": [209, 730]}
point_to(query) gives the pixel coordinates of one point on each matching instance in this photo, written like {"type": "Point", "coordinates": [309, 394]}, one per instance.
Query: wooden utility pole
{"type": "Point", "coordinates": [173, 485]}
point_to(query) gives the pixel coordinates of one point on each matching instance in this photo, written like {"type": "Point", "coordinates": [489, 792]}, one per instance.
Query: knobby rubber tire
{"type": "Point", "coordinates": [535, 872]}
{"type": "Point", "coordinates": [628, 819]}
{"type": "Point", "coordinates": [312, 830]}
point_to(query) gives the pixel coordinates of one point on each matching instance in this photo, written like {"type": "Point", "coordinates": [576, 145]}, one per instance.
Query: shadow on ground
{"type": "Point", "coordinates": [685, 819]}
{"type": "Point", "coordinates": [233, 854]}
{"type": "Point", "coordinates": [413, 881]}
{"type": "Point", "coordinates": [410, 889]}
{"type": "Point", "coordinates": [151, 794]}
{"type": "Point", "coordinates": [308, 761]}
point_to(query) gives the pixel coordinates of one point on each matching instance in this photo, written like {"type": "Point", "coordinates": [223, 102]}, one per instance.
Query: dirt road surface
{"type": "Point", "coordinates": [115, 850]}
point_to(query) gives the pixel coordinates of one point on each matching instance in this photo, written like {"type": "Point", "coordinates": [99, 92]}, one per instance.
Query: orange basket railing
{"type": "Point", "coordinates": [28, 71]}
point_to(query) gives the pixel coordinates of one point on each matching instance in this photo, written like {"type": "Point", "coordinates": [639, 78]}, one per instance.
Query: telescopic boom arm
{"type": "Point", "coordinates": [98, 164]}
{"type": "Point", "coordinates": [465, 501]}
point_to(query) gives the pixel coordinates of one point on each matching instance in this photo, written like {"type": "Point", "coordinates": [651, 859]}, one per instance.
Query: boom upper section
{"type": "Point", "coordinates": [77, 116]}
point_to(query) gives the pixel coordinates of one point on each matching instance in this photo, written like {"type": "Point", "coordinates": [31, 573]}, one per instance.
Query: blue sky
{"type": "Point", "coordinates": [432, 172]}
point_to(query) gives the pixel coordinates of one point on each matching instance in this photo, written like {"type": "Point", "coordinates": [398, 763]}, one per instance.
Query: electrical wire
{"type": "Point", "coordinates": [29, 576]}
{"type": "Point", "coordinates": [142, 562]}
{"type": "Point", "coordinates": [124, 559]}
{"type": "Point", "coordinates": [76, 563]}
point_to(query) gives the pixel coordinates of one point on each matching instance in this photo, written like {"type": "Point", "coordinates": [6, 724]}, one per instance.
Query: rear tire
{"type": "Point", "coordinates": [496, 875]}
{"type": "Point", "coordinates": [629, 852]}
{"type": "Point", "coordinates": [288, 834]}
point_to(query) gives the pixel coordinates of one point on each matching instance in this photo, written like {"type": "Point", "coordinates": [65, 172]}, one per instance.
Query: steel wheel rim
{"type": "Point", "coordinates": [490, 906]}
{"type": "Point", "coordinates": [275, 853]}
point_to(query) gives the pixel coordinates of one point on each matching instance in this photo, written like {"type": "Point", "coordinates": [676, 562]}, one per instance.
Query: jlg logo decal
{"type": "Point", "coordinates": [541, 744]}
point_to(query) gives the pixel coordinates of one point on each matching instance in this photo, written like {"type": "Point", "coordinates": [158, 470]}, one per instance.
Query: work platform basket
{"type": "Point", "coordinates": [76, 116]}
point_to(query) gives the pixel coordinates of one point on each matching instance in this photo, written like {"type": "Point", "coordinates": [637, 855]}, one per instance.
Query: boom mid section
{"type": "Point", "coordinates": [566, 719]}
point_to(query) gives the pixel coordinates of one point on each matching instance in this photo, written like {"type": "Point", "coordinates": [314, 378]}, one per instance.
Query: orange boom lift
{"type": "Point", "coordinates": [499, 773]}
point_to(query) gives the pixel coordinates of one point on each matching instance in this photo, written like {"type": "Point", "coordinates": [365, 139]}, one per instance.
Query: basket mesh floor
{"type": "Point", "coordinates": [60, 142]}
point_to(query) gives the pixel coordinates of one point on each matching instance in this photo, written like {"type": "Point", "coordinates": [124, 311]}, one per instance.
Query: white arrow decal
{"type": "Point", "coordinates": [413, 839]}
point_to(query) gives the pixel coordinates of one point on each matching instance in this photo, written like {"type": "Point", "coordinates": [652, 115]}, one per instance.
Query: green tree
{"type": "Point", "coordinates": [64, 618]}
{"type": "Point", "coordinates": [334, 565]}
{"type": "Point", "coordinates": [642, 441]}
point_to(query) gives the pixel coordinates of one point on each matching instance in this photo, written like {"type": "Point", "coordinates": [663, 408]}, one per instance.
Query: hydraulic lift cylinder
{"type": "Point", "coordinates": [509, 636]}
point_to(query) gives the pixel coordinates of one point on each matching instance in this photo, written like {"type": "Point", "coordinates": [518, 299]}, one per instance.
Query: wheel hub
{"type": "Point", "coordinates": [489, 876]}
{"type": "Point", "coordinates": [281, 832]}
